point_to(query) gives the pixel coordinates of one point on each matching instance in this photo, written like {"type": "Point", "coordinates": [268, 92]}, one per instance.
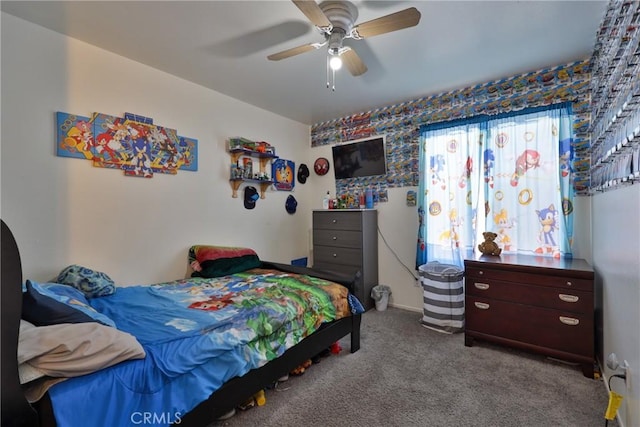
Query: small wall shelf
{"type": "Point", "coordinates": [242, 167]}
{"type": "Point", "coordinates": [236, 153]}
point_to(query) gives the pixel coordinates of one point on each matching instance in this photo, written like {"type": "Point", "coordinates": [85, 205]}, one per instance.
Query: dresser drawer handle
{"type": "Point", "coordinates": [334, 221]}
{"type": "Point", "coordinates": [571, 321]}
{"type": "Point", "coordinates": [481, 286]}
{"type": "Point", "coordinates": [335, 255]}
{"type": "Point", "coordinates": [482, 305]}
{"type": "Point", "coordinates": [569, 283]}
{"type": "Point", "coordinates": [481, 272]}
{"type": "Point", "coordinates": [568, 298]}
{"type": "Point", "coordinates": [334, 238]}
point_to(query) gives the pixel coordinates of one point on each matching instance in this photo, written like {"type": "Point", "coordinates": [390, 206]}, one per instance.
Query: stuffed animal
{"type": "Point", "coordinates": [303, 367]}
{"type": "Point", "coordinates": [489, 246]}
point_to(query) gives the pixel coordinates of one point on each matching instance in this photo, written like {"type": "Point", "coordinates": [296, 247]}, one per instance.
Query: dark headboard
{"type": "Point", "coordinates": [16, 411]}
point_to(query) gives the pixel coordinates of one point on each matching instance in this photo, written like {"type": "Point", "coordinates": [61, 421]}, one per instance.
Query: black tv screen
{"type": "Point", "coordinates": [360, 158]}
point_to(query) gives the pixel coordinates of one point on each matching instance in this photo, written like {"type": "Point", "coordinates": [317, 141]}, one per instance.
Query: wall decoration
{"type": "Point", "coordinates": [401, 123]}
{"type": "Point", "coordinates": [615, 100]}
{"type": "Point", "coordinates": [321, 166]}
{"type": "Point", "coordinates": [131, 143]}
{"type": "Point", "coordinates": [303, 173]}
{"type": "Point", "coordinates": [75, 136]}
{"type": "Point", "coordinates": [283, 173]}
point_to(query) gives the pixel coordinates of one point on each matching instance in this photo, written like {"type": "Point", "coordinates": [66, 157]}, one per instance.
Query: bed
{"type": "Point", "coordinates": [219, 384]}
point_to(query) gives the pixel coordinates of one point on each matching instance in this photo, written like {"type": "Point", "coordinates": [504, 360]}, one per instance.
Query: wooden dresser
{"type": "Point", "coordinates": [540, 304]}
{"type": "Point", "coordinates": [347, 241]}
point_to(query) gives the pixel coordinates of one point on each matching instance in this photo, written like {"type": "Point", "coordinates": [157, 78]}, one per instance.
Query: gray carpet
{"type": "Point", "coordinates": [407, 375]}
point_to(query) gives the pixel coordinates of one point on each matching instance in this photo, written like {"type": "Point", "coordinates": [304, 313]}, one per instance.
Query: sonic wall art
{"type": "Point", "coordinates": [131, 143]}
{"type": "Point", "coordinates": [283, 173]}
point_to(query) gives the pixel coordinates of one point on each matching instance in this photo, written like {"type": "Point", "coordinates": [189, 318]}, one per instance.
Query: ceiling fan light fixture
{"type": "Point", "coordinates": [335, 19]}
{"type": "Point", "coordinates": [335, 63]}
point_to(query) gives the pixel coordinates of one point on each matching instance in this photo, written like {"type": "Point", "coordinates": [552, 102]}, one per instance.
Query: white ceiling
{"type": "Point", "coordinates": [223, 45]}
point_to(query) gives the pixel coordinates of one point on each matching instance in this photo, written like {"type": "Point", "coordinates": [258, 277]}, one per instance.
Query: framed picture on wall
{"type": "Point", "coordinates": [283, 173]}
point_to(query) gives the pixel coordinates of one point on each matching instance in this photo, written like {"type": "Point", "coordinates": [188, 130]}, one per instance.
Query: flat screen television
{"type": "Point", "coordinates": [360, 158]}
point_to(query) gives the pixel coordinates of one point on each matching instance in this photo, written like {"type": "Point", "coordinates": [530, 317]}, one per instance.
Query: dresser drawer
{"type": "Point", "coordinates": [338, 238]}
{"type": "Point", "coordinates": [554, 329]}
{"type": "Point", "coordinates": [545, 278]}
{"type": "Point", "coordinates": [346, 269]}
{"type": "Point", "coordinates": [334, 255]}
{"type": "Point", "coordinates": [331, 220]}
{"type": "Point", "coordinates": [570, 300]}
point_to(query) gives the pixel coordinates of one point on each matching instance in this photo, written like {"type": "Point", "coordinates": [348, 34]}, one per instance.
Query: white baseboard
{"type": "Point", "coordinates": [406, 307]}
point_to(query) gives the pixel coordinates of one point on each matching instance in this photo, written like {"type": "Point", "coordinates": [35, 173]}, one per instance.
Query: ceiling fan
{"type": "Point", "coordinates": [335, 21]}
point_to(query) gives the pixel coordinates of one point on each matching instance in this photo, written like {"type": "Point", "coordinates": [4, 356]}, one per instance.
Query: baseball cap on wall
{"type": "Point", "coordinates": [291, 204]}
{"type": "Point", "coordinates": [303, 173]}
{"type": "Point", "coordinates": [250, 197]}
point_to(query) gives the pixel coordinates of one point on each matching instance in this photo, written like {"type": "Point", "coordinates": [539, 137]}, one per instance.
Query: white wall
{"type": "Point", "coordinates": [137, 230]}
{"type": "Point", "coordinates": [616, 255]}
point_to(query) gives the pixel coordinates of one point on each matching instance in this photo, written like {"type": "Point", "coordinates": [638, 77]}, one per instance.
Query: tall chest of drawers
{"type": "Point", "coordinates": [347, 241]}
{"type": "Point", "coordinates": [538, 304]}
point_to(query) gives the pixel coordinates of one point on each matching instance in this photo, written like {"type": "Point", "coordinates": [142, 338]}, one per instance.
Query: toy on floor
{"type": "Point", "coordinates": [300, 369]}
{"type": "Point", "coordinates": [258, 399]}
{"type": "Point", "coordinates": [332, 349]}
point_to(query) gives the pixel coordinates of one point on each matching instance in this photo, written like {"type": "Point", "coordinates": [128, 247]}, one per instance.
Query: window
{"type": "Point", "coordinates": [510, 174]}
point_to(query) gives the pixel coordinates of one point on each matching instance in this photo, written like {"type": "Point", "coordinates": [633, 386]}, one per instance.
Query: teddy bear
{"type": "Point", "coordinates": [489, 246]}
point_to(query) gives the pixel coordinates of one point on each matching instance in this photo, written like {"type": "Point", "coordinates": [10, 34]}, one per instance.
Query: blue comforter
{"type": "Point", "coordinates": [197, 333]}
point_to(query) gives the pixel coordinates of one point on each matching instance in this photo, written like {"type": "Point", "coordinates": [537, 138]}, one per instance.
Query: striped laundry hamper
{"type": "Point", "coordinates": [443, 286]}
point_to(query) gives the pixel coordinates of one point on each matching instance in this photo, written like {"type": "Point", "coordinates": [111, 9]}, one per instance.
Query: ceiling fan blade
{"type": "Point", "coordinates": [386, 24]}
{"type": "Point", "coordinates": [353, 62]}
{"type": "Point", "coordinates": [293, 51]}
{"type": "Point", "coordinates": [313, 12]}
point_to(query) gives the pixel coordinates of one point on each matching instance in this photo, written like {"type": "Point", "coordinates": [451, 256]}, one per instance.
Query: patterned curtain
{"type": "Point", "coordinates": [528, 190]}
{"type": "Point", "coordinates": [450, 183]}
{"type": "Point", "coordinates": [515, 166]}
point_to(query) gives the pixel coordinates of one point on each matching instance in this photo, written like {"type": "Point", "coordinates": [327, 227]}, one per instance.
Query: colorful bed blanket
{"type": "Point", "coordinates": [198, 333]}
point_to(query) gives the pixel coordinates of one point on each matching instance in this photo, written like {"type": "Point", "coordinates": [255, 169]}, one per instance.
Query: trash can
{"type": "Point", "coordinates": [443, 286]}
{"type": "Point", "coordinates": [380, 294]}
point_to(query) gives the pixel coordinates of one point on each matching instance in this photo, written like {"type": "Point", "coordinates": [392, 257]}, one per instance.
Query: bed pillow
{"type": "Point", "coordinates": [53, 303]}
{"type": "Point", "coordinates": [217, 261]}
{"type": "Point", "coordinates": [92, 283]}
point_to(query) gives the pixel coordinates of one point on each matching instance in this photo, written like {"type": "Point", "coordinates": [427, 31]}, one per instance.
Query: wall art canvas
{"type": "Point", "coordinates": [131, 143]}
{"type": "Point", "coordinates": [283, 173]}
{"type": "Point", "coordinates": [75, 136]}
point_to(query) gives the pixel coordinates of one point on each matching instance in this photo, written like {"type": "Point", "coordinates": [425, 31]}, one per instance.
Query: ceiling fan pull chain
{"type": "Point", "coordinates": [327, 71]}
{"type": "Point", "coordinates": [333, 80]}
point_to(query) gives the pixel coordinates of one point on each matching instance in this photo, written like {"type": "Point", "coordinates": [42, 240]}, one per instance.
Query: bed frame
{"type": "Point", "coordinates": [16, 411]}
